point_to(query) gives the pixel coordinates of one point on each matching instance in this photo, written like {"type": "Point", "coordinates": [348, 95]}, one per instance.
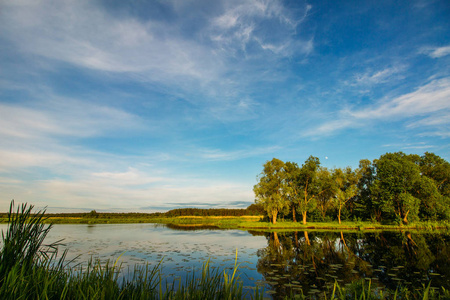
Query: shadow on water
{"type": "Point", "coordinates": [312, 261]}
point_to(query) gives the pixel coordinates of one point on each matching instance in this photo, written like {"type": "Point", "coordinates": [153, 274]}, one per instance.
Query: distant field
{"type": "Point", "coordinates": [231, 222]}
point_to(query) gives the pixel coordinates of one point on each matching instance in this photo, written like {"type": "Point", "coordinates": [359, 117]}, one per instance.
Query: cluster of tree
{"type": "Point", "coordinates": [252, 210]}
{"type": "Point", "coordinates": [394, 188]}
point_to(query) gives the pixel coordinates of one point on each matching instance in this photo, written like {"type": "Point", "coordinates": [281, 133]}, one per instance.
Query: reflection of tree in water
{"type": "Point", "coordinates": [409, 258]}
{"type": "Point", "coordinates": [313, 261]}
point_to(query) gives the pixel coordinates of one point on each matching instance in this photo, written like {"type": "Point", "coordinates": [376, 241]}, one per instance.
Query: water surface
{"type": "Point", "coordinates": [283, 263]}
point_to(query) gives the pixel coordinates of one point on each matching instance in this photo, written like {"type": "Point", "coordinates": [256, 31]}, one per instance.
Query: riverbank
{"type": "Point", "coordinates": [230, 222]}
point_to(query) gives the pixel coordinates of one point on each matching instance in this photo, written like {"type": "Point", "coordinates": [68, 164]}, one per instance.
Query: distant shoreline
{"type": "Point", "coordinates": [229, 222]}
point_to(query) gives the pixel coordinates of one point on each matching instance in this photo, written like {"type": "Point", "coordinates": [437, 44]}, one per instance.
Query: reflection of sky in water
{"type": "Point", "coordinates": [284, 267]}
{"type": "Point", "coordinates": [181, 251]}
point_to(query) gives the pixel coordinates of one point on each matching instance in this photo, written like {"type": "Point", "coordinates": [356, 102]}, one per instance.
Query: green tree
{"type": "Point", "coordinates": [367, 206]}
{"type": "Point", "coordinates": [393, 187]}
{"type": "Point", "coordinates": [310, 185]}
{"type": "Point", "coordinates": [325, 199]}
{"type": "Point", "coordinates": [292, 191]}
{"type": "Point", "coordinates": [433, 206]}
{"type": "Point", "coordinates": [438, 169]}
{"type": "Point", "coordinates": [270, 190]}
{"type": "Point", "coordinates": [346, 188]}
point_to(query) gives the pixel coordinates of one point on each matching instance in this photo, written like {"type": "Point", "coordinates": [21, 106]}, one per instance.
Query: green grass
{"type": "Point", "coordinates": [244, 222]}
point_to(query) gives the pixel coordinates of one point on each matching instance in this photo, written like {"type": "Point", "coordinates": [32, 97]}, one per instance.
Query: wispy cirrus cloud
{"type": "Point", "coordinates": [220, 155]}
{"type": "Point", "coordinates": [63, 117]}
{"type": "Point", "coordinates": [372, 77]}
{"type": "Point", "coordinates": [213, 65]}
{"type": "Point", "coordinates": [436, 52]}
{"type": "Point", "coordinates": [428, 102]}
{"type": "Point", "coordinates": [240, 25]}
{"type": "Point", "coordinates": [84, 34]}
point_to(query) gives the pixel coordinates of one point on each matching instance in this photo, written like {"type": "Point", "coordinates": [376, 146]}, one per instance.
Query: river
{"type": "Point", "coordinates": [282, 262]}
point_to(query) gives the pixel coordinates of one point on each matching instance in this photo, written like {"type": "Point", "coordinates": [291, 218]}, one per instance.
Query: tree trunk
{"type": "Point", "coordinates": [276, 241]}
{"type": "Point", "coordinates": [339, 215]}
{"type": "Point", "coordinates": [274, 217]}
{"type": "Point", "coordinates": [343, 240]}
{"type": "Point", "coordinates": [304, 217]}
{"type": "Point", "coordinates": [306, 237]}
{"type": "Point", "coordinates": [293, 214]}
{"type": "Point", "coordinates": [405, 220]}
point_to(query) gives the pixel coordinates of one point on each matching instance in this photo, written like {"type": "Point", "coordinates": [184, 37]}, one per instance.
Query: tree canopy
{"type": "Point", "coordinates": [396, 187]}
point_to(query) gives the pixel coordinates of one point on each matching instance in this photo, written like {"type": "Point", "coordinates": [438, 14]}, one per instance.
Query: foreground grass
{"type": "Point", "coordinates": [29, 269]}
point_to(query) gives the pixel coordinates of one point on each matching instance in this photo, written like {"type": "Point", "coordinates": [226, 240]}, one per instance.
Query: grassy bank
{"type": "Point", "coordinates": [29, 269]}
{"type": "Point", "coordinates": [344, 226]}
{"type": "Point", "coordinates": [230, 222]}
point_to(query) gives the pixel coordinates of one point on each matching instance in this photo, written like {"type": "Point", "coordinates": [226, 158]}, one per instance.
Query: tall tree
{"type": "Point", "coordinates": [396, 176]}
{"type": "Point", "coordinates": [346, 181]}
{"type": "Point", "coordinates": [438, 169]}
{"type": "Point", "coordinates": [292, 191]}
{"type": "Point", "coordinates": [310, 186]}
{"type": "Point", "coordinates": [325, 199]}
{"type": "Point", "coordinates": [270, 190]}
{"type": "Point", "coordinates": [367, 206]}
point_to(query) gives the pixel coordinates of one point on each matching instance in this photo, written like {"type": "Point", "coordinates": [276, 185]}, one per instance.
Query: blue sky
{"type": "Point", "coordinates": [152, 105]}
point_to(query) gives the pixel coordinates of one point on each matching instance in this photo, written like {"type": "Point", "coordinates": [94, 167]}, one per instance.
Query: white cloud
{"type": "Point", "coordinates": [430, 98]}
{"type": "Point", "coordinates": [371, 77]}
{"type": "Point", "coordinates": [220, 155]}
{"type": "Point", "coordinates": [81, 33]}
{"type": "Point", "coordinates": [131, 177]}
{"type": "Point", "coordinates": [63, 117]}
{"type": "Point", "coordinates": [437, 52]}
{"type": "Point", "coordinates": [95, 193]}
{"type": "Point", "coordinates": [212, 67]}
{"type": "Point", "coordinates": [428, 102]}
{"type": "Point", "coordinates": [240, 25]}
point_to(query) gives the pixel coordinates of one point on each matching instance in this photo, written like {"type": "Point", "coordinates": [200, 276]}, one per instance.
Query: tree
{"type": "Point", "coordinates": [346, 181]}
{"type": "Point", "coordinates": [432, 203]}
{"type": "Point", "coordinates": [292, 191]}
{"type": "Point", "coordinates": [438, 169]}
{"type": "Point", "coordinates": [325, 199]}
{"type": "Point", "coordinates": [310, 185]}
{"type": "Point", "coordinates": [269, 192]}
{"type": "Point", "coordinates": [93, 214]}
{"type": "Point", "coordinates": [367, 206]}
{"type": "Point", "coordinates": [393, 187]}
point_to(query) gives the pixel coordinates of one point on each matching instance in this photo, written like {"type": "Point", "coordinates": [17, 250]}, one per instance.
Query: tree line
{"type": "Point", "coordinates": [395, 188]}
{"type": "Point", "coordinates": [251, 210]}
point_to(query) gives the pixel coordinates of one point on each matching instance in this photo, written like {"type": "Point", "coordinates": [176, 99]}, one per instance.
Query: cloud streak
{"type": "Point", "coordinates": [428, 102]}
{"type": "Point", "coordinates": [63, 117]}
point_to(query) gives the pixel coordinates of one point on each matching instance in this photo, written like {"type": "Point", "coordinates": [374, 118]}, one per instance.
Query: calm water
{"type": "Point", "coordinates": [283, 263]}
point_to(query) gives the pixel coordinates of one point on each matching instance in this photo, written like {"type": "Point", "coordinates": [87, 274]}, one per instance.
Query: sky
{"type": "Point", "coordinates": [138, 105]}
